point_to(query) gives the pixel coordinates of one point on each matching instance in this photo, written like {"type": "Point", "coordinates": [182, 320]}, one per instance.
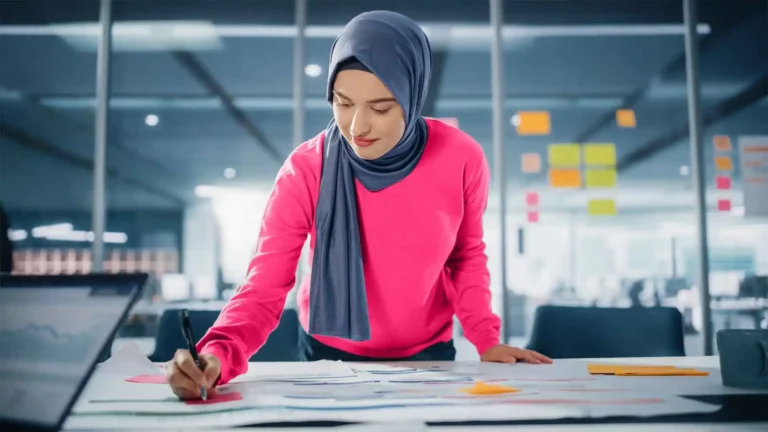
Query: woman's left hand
{"type": "Point", "coordinates": [506, 354]}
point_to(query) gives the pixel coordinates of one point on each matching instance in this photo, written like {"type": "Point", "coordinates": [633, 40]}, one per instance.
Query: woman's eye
{"type": "Point", "coordinates": [380, 111]}
{"type": "Point", "coordinates": [343, 104]}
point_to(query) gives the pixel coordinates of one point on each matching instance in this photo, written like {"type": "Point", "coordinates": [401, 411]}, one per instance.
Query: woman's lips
{"type": "Point", "coordinates": [363, 142]}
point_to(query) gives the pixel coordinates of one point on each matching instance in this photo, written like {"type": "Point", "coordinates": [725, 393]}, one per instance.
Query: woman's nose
{"type": "Point", "coordinates": [359, 125]}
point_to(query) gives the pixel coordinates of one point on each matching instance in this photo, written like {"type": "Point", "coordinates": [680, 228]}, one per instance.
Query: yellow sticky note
{"type": "Point", "coordinates": [612, 369]}
{"type": "Point", "coordinates": [723, 163]}
{"type": "Point", "coordinates": [630, 370]}
{"type": "Point", "coordinates": [601, 207]}
{"type": "Point", "coordinates": [532, 123]}
{"type": "Point", "coordinates": [661, 372]}
{"type": "Point", "coordinates": [600, 154]}
{"type": "Point", "coordinates": [564, 155]}
{"type": "Point", "coordinates": [565, 177]}
{"type": "Point", "coordinates": [530, 163]}
{"type": "Point", "coordinates": [481, 388]}
{"type": "Point", "coordinates": [600, 178]}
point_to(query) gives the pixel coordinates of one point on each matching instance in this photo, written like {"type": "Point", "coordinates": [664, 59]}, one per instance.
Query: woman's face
{"type": "Point", "coordinates": [367, 113]}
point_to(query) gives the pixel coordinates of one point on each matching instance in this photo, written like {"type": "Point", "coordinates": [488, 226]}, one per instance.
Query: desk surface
{"type": "Point", "coordinates": [709, 386]}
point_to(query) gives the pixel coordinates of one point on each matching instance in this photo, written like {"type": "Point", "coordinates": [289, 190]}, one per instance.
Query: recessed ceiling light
{"type": "Point", "coordinates": [684, 170]}
{"type": "Point", "coordinates": [313, 70]}
{"type": "Point", "coordinates": [152, 120]}
{"type": "Point", "coordinates": [230, 173]}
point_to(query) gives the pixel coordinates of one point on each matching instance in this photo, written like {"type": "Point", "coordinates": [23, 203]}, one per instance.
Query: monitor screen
{"type": "Point", "coordinates": [50, 338]}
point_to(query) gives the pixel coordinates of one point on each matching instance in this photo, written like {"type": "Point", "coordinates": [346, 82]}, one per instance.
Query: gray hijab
{"type": "Point", "coordinates": [395, 49]}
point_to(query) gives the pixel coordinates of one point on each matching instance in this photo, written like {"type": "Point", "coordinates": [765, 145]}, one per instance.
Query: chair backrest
{"type": "Point", "coordinates": [282, 344]}
{"type": "Point", "coordinates": [169, 337]}
{"type": "Point", "coordinates": [591, 332]}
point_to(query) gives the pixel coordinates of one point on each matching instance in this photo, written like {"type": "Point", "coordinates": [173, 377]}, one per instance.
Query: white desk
{"type": "Point", "coordinates": [671, 386]}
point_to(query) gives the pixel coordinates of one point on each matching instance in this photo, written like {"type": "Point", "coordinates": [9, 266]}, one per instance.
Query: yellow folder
{"type": "Point", "coordinates": [632, 370]}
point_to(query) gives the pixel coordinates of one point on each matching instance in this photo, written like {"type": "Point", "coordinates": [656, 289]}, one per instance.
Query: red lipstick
{"type": "Point", "coordinates": [363, 142]}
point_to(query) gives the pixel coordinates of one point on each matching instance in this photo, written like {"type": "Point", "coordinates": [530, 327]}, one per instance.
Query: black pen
{"type": "Point", "coordinates": [186, 329]}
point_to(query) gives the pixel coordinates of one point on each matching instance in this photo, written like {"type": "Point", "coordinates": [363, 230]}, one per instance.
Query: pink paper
{"type": "Point", "coordinates": [217, 398]}
{"type": "Point", "coordinates": [147, 379]}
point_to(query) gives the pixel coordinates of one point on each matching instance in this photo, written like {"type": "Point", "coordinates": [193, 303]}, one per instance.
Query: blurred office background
{"type": "Point", "coordinates": [201, 116]}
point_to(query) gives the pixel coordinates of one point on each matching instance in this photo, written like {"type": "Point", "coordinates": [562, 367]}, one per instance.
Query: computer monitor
{"type": "Point", "coordinates": [52, 330]}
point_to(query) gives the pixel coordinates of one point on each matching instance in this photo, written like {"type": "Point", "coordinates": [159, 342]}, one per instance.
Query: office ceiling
{"type": "Point", "coordinates": [580, 60]}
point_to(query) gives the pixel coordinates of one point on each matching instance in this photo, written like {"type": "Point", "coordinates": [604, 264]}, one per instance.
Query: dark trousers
{"type": "Point", "coordinates": [310, 349]}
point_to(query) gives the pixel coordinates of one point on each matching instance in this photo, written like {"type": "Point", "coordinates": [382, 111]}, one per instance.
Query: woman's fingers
{"type": "Point", "coordinates": [186, 364]}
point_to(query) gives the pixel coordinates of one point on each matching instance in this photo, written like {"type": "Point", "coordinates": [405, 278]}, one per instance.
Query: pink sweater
{"type": "Point", "coordinates": [423, 255]}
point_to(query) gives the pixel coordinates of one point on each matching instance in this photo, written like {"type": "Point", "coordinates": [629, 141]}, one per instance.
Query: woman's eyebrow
{"type": "Point", "coordinates": [372, 101]}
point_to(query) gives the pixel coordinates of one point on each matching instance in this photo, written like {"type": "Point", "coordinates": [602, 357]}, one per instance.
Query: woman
{"type": "Point", "coordinates": [393, 203]}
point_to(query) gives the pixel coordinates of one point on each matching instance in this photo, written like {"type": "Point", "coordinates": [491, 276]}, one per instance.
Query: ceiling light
{"type": "Point", "coordinates": [313, 70]}
{"type": "Point", "coordinates": [684, 170]}
{"type": "Point", "coordinates": [230, 173]}
{"type": "Point", "coordinates": [17, 235]}
{"type": "Point", "coordinates": [152, 120]}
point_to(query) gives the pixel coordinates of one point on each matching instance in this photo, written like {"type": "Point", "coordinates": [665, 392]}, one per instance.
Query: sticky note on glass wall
{"type": "Point", "coordinates": [626, 118]}
{"type": "Point", "coordinates": [723, 163]}
{"type": "Point", "coordinates": [565, 177]}
{"type": "Point", "coordinates": [531, 163]}
{"type": "Point", "coordinates": [600, 178]}
{"type": "Point", "coordinates": [564, 155]}
{"type": "Point", "coordinates": [532, 198]}
{"type": "Point", "coordinates": [600, 154]}
{"type": "Point", "coordinates": [601, 207]}
{"type": "Point", "coordinates": [723, 182]}
{"type": "Point", "coordinates": [722, 143]}
{"type": "Point", "coordinates": [532, 123]}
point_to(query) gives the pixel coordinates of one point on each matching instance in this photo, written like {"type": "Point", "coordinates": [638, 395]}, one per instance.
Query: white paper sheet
{"type": "Point", "coordinates": [323, 369]}
{"type": "Point", "coordinates": [128, 361]}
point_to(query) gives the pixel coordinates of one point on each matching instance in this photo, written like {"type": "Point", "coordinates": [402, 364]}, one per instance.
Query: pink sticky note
{"type": "Point", "coordinates": [724, 205]}
{"type": "Point", "coordinates": [723, 182]}
{"type": "Point", "coordinates": [217, 398]}
{"type": "Point", "coordinates": [533, 217]}
{"type": "Point", "coordinates": [532, 198]}
{"type": "Point", "coordinates": [147, 379]}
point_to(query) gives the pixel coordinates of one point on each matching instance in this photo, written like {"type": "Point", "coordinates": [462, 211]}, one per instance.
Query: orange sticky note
{"type": "Point", "coordinates": [723, 163]}
{"type": "Point", "coordinates": [626, 118]}
{"type": "Point", "coordinates": [481, 388]}
{"type": "Point", "coordinates": [564, 178]}
{"type": "Point", "coordinates": [722, 143]}
{"type": "Point", "coordinates": [531, 163]}
{"type": "Point", "coordinates": [532, 123]}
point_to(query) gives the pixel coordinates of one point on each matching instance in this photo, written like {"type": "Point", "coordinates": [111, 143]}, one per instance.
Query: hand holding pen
{"type": "Point", "coordinates": [191, 375]}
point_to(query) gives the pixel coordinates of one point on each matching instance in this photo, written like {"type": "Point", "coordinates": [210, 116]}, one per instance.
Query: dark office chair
{"type": "Point", "coordinates": [282, 344]}
{"type": "Point", "coordinates": [169, 337]}
{"type": "Point", "coordinates": [590, 332]}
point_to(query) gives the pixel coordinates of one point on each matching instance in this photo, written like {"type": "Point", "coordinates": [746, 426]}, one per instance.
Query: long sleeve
{"type": "Point", "coordinates": [254, 311]}
{"type": "Point", "coordinates": [468, 262]}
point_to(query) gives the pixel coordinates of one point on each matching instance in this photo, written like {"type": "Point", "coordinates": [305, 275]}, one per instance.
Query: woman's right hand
{"type": "Point", "coordinates": [186, 378]}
